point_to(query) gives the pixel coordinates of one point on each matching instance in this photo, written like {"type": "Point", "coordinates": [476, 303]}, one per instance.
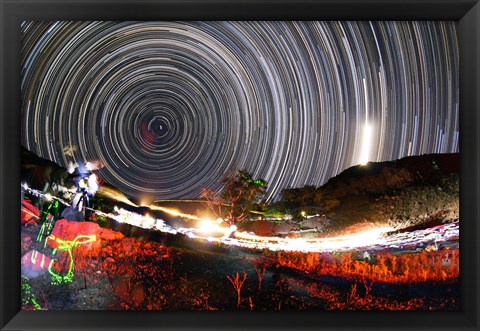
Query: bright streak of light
{"type": "Point", "coordinates": [92, 184]}
{"type": "Point", "coordinates": [374, 239]}
{"type": "Point", "coordinates": [298, 245]}
{"type": "Point", "coordinates": [112, 194]}
{"type": "Point", "coordinates": [142, 221]}
{"type": "Point", "coordinates": [208, 226]}
{"type": "Point", "coordinates": [366, 144]}
{"type": "Point", "coordinates": [46, 196]}
{"type": "Point", "coordinates": [26, 211]}
{"type": "Point", "coordinates": [253, 237]}
{"type": "Point", "coordinates": [174, 212]}
{"type": "Point", "coordinates": [356, 240]}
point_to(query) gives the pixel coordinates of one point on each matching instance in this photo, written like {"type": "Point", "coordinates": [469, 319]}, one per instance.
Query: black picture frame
{"type": "Point", "coordinates": [467, 12]}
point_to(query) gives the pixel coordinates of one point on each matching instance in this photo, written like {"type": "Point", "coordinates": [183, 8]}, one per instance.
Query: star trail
{"type": "Point", "coordinates": [172, 107]}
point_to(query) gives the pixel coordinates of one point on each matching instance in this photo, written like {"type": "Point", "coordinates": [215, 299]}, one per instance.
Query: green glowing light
{"type": "Point", "coordinates": [36, 305]}
{"type": "Point", "coordinates": [67, 246]}
{"type": "Point", "coordinates": [46, 229]}
{"type": "Point", "coordinates": [51, 209]}
{"type": "Point", "coordinates": [27, 295]}
{"type": "Point", "coordinates": [40, 233]}
{"type": "Point", "coordinates": [45, 226]}
{"type": "Point", "coordinates": [260, 182]}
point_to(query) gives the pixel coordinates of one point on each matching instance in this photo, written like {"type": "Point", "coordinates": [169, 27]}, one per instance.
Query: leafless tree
{"type": "Point", "coordinates": [237, 284]}
{"type": "Point", "coordinates": [260, 269]}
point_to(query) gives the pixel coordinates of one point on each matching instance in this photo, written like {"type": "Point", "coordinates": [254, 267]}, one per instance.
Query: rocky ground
{"type": "Point", "coordinates": [115, 272]}
{"type": "Point", "coordinates": [117, 266]}
{"type": "Point", "coordinates": [401, 194]}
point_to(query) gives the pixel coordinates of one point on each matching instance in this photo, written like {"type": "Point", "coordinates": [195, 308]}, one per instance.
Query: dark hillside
{"type": "Point", "coordinates": [381, 177]}
{"type": "Point", "coordinates": [402, 193]}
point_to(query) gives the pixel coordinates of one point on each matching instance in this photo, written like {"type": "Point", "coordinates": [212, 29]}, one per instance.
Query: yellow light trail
{"type": "Point", "coordinates": [204, 229]}
{"type": "Point", "coordinates": [174, 212]}
{"type": "Point", "coordinates": [113, 194]}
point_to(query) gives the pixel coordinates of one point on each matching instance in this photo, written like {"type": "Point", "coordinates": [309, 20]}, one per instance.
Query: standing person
{"type": "Point", "coordinates": [87, 186]}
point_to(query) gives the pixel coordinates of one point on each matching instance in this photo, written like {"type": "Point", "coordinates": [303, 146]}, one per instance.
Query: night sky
{"type": "Point", "coordinates": [171, 107]}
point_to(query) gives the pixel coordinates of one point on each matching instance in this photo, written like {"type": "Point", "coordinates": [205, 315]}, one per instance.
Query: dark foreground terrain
{"type": "Point", "coordinates": [102, 264]}
{"type": "Point", "coordinates": [178, 273]}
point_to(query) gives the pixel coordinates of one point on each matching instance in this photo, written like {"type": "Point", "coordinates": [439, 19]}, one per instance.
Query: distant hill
{"type": "Point", "coordinates": [410, 192]}
{"type": "Point", "coordinates": [381, 177]}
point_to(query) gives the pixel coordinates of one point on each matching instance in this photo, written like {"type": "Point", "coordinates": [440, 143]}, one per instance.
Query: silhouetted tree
{"type": "Point", "coordinates": [238, 196]}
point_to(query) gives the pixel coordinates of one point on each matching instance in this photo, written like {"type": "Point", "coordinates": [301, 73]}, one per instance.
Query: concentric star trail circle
{"type": "Point", "coordinates": [172, 107]}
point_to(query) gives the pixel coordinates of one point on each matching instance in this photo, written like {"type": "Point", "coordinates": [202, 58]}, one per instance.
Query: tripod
{"type": "Point", "coordinates": [82, 202]}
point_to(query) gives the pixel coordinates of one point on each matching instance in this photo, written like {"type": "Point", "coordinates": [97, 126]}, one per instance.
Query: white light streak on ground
{"type": "Point", "coordinates": [374, 239]}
